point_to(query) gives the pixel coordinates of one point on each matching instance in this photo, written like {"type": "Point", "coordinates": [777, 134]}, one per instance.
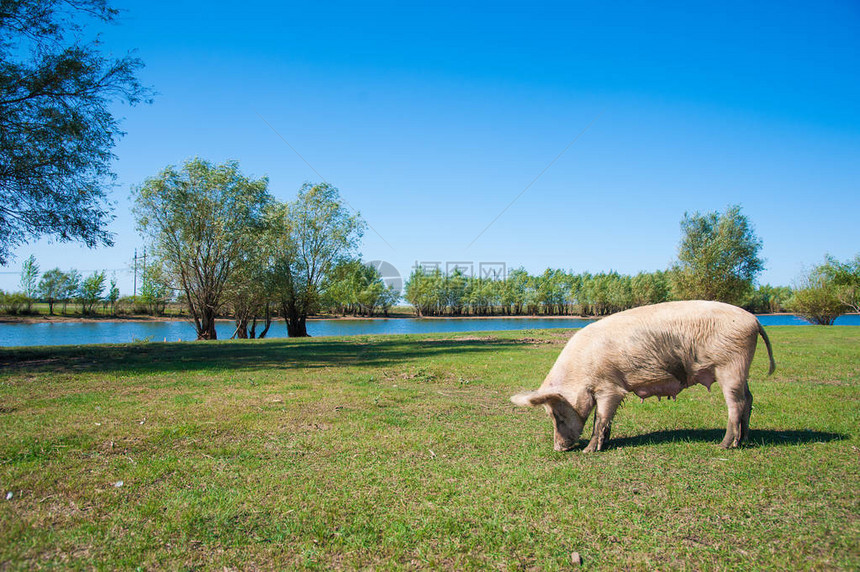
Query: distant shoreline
{"type": "Point", "coordinates": [394, 316]}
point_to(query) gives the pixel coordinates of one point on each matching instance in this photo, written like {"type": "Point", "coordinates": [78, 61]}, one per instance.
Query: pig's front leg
{"type": "Point", "coordinates": [607, 405]}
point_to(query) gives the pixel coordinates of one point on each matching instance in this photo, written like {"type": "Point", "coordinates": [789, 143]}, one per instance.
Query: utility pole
{"type": "Point", "coordinates": [135, 274]}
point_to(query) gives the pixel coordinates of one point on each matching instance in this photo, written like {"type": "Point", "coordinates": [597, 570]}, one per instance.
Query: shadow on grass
{"type": "Point", "coordinates": [278, 353]}
{"type": "Point", "coordinates": [760, 437]}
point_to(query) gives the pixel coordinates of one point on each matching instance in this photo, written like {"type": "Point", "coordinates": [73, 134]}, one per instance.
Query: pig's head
{"type": "Point", "coordinates": [568, 418]}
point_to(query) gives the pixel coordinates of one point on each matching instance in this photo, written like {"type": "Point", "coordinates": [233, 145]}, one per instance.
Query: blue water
{"type": "Point", "coordinates": [70, 333]}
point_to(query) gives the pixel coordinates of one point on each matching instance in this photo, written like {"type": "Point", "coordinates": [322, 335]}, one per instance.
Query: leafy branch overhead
{"type": "Point", "coordinates": [57, 131]}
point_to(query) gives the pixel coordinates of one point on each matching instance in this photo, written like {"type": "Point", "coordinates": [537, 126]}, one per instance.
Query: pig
{"type": "Point", "coordinates": [655, 350]}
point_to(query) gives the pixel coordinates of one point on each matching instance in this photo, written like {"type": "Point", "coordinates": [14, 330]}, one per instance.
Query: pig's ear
{"type": "Point", "coordinates": [533, 398]}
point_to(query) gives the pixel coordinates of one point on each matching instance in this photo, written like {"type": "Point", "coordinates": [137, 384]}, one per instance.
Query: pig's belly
{"type": "Point", "coordinates": [660, 389]}
{"type": "Point", "coordinates": [670, 386]}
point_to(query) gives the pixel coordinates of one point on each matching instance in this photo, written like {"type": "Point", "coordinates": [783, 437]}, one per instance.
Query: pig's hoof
{"type": "Point", "coordinates": [590, 448]}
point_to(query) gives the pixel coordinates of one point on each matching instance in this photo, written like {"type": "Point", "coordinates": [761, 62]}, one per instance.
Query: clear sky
{"type": "Point", "coordinates": [431, 118]}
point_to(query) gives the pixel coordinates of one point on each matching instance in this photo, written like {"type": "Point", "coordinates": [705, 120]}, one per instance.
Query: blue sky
{"type": "Point", "coordinates": [431, 118]}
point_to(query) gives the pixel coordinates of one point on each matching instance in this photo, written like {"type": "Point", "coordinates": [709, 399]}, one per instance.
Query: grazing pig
{"type": "Point", "coordinates": [651, 350]}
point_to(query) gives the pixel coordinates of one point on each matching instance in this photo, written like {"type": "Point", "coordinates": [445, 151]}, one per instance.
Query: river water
{"type": "Point", "coordinates": [70, 333]}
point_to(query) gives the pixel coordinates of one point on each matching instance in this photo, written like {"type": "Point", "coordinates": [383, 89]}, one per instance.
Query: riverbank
{"type": "Point", "coordinates": [73, 332]}
{"type": "Point", "coordinates": [392, 316]}
{"type": "Point", "coordinates": [60, 319]}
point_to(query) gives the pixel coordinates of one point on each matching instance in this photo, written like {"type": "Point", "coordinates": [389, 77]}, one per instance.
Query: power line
{"type": "Point", "coordinates": [126, 269]}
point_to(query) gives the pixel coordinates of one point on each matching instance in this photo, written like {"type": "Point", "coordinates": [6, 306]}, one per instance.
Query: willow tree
{"type": "Point", "coordinates": [201, 221]}
{"type": "Point", "coordinates": [718, 258]}
{"type": "Point", "coordinates": [309, 238]}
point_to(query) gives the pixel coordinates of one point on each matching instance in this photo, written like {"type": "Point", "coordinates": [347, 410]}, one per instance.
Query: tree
{"type": "Point", "coordinates": [387, 298]}
{"type": "Point", "coordinates": [201, 220]}
{"type": "Point", "coordinates": [341, 296]}
{"type": "Point", "coordinates": [30, 280]}
{"type": "Point", "coordinates": [91, 291]}
{"type": "Point", "coordinates": [815, 298]}
{"type": "Point", "coordinates": [70, 287]}
{"type": "Point", "coordinates": [483, 294]}
{"type": "Point", "coordinates": [52, 287]}
{"type": "Point", "coordinates": [155, 290]}
{"type": "Point", "coordinates": [454, 292]}
{"type": "Point", "coordinates": [310, 237]}
{"type": "Point", "coordinates": [845, 277]}
{"type": "Point", "coordinates": [768, 299]}
{"type": "Point", "coordinates": [828, 290]}
{"type": "Point", "coordinates": [718, 258]}
{"type": "Point", "coordinates": [113, 295]}
{"type": "Point", "coordinates": [423, 290]}
{"type": "Point", "coordinates": [57, 129]}
{"type": "Point", "coordinates": [371, 292]}
{"type": "Point", "coordinates": [605, 293]}
{"type": "Point", "coordinates": [249, 293]}
{"type": "Point", "coordinates": [650, 288]}
{"type": "Point", "coordinates": [514, 289]}
{"type": "Point", "coordinates": [357, 288]}
{"type": "Point", "coordinates": [552, 291]}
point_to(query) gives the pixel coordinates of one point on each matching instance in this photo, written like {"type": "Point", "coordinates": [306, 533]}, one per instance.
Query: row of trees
{"type": "Point", "coordinates": [718, 259]}
{"type": "Point", "coordinates": [556, 292]}
{"type": "Point", "coordinates": [225, 246]}
{"type": "Point", "coordinates": [353, 288]}
{"type": "Point", "coordinates": [825, 292]}
{"type": "Point", "coordinates": [57, 286]}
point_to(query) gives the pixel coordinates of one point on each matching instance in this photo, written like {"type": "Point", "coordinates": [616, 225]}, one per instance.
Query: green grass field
{"type": "Point", "coordinates": [404, 452]}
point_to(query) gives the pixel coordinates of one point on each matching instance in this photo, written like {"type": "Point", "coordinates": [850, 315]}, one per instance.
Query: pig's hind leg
{"type": "Point", "coordinates": [733, 382]}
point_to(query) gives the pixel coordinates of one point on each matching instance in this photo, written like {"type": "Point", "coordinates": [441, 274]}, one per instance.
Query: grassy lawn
{"type": "Point", "coordinates": [404, 452]}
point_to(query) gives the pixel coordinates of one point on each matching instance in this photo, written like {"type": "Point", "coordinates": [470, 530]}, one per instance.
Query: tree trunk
{"type": "Point", "coordinates": [206, 328]}
{"type": "Point", "coordinates": [241, 329]}
{"type": "Point", "coordinates": [296, 322]}
{"type": "Point", "coordinates": [297, 327]}
{"type": "Point", "coordinates": [268, 322]}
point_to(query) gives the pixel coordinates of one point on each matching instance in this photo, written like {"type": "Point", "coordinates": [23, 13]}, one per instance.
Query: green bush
{"type": "Point", "coordinates": [817, 301]}
{"type": "Point", "coordinates": [15, 303]}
